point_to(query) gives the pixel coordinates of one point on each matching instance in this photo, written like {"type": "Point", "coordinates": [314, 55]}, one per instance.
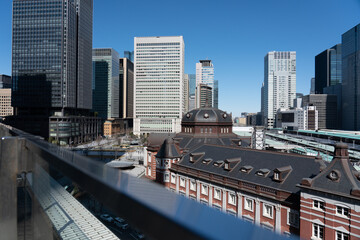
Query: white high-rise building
{"type": "Point", "coordinates": [158, 84]}
{"type": "Point", "coordinates": [279, 84]}
{"type": "Point", "coordinates": [205, 75]}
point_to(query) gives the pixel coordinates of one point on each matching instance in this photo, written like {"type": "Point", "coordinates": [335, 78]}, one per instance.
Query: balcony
{"type": "Point", "coordinates": [34, 204]}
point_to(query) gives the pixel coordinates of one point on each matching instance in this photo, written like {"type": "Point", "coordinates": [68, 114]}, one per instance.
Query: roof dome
{"type": "Point", "coordinates": [207, 115]}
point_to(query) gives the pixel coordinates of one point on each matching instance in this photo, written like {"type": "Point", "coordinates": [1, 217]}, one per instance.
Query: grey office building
{"type": "Point", "coordinates": [105, 86]}
{"type": "Point", "coordinates": [328, 68]}
{"type": "Point", "coordinates": [126, 93]}
{"type": "Point", "coordinates": [326, 105]}
{"type": "Point", "coordinates": [5, 81]}
{"type": "Point", "coordinates": [192, 90]}
{"type": "Point", "coordinates": [216, 93]}
{"type": "Point", "coordinates": [351, 79]}
{"type": "Point", "coordinates": [51, 61]}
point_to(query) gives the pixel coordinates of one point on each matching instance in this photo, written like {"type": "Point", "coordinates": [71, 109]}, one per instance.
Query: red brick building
{"type": "Point", "coordinates": [208, 163]}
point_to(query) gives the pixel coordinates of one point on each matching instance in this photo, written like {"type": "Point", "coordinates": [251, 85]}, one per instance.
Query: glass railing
{"type": "Point", "coordinates": [48, 192]}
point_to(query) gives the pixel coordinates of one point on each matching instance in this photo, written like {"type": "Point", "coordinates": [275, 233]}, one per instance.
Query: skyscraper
{"type": "Point", "coordinates": [279, 84]}
{"type": "Point", "coordinates": [129, 55]}
{"type": "Point", "coordinates": [126, 88]}
{"type": "Point", "coordinates": [159, 76]}
{"type": "Point", "coordinates": [51, 60]}
{"type": "Point", "coordinates": [351, 79]}
{"type": "Point", "coordinates": [312, 86]}
{"type": "Point", "coordinates": [203, 95]}
{"type": "Point", "coordinates": [192, 89]}
{"type": "Point", "coordinates": [106, 82]}
{"type": "Point", "coordinates": [5, 81]}
{"type": "Point", "coordinates": [216, 93]}
{"type": "Point", "coordinates": [186, 92]}
{"type": "Point", "coordinates": [205, 75]}
{"type": "Point", "coordinates": [328, 68]}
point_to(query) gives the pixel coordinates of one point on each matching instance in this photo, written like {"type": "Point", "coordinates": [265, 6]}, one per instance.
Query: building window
{"type": "Point", "coordinates": [267, 210]}
{"type": "Point", "coordinates": [192, 185]}
{"type": "Point", "coordinates": [249, 204]}
{"type": "Point", "coordinates": [341, 236]}
{"type": "Point", "coordinates": [342, 211]}
{"type": "Point", "coordinates": [232, 198]}
{"type": "Point", "coordinates": [276, 176]}
{"type": "Point", "coordinates": [204, 189]}
{"type": "Point", "coordinates": [149, 171]}
{"type": "Point", "coordinates": [149, 158]}
{"type": "Point", "coordinates": [318, 231]}
{"type": "Point", "coordinates": [318, 205]}
{"type": "Point", "coordinates": [293, 218]}
{"type": "Point", "coordinates": [182, 182]}
{"type": "Point", "coordinates": [217, 194]}
{"type": "Point", "coordinates": [166, 177]}
{"type": "Point", "coordinates": [173, 178]}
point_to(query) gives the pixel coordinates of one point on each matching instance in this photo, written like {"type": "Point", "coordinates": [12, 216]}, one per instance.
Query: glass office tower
{"type": "Point", "coordinates": [351, 79]}
{"type": "Point", "coordinates": [192, 89]}
{"type": "Point", "coordinates": [51, 58]}
{"type": "Point", "coordinates": [328, 68]}
{"type": "Point", "coordinates": [205, 75]}
{"type": "Point", "coordinates": [106, 82]}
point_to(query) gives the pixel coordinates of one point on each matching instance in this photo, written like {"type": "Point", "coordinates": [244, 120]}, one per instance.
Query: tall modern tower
{"type": "Point", "coordinates": [126, 70]}
{"type": "Point", "coordinates": [216, 94]}
{"type": "Point", "coordinates": [106, 82]}
{"type": "Point", "coordinates": [205, 75]}
{"type": "Point", "coordinates": [328, 68]}
{"type": "Point", "coordinates": [351, 79]}
{"type": "Point", "coordinates": [159, 76]}
{"type": "Point", "coordinates": [51, 60]}
{"type": "Point", "coordinates": [279, 84]}
{"type": "Point", "coordinates": [186, 92]}
{"type": "Point", "coordinates": [192, 89]}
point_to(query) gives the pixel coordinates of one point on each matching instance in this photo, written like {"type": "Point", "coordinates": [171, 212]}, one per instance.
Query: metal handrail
{"type": "Point", "coordinates": [158, 212]}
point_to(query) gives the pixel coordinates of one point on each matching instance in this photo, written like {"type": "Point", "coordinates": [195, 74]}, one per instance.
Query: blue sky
{"type": "Point", "coordinates": [236, 35]}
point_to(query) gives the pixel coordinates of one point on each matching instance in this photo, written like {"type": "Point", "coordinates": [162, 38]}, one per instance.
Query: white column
{"type": "Point", "coordinates": [197, 190]}
{"type": "Point", "coordinates": [278, 218]}
{"type": "Point", "coordinates": [239, 207]}
{"type": "Point", "coordinates": [210, 194]}
{"type": "Point", "coordinates": [177, 183]}
{"type": "Point", "coordinates": [257, 211]}
{"type": "Point", "coordinates": [224, 201]}
{"type": "Point", "coordinates": [187, 187]}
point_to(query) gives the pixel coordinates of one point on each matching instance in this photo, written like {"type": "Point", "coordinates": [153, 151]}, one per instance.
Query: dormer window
{"type": "Point", "coordinates": [218, 163]}
{"type": "Point", "coordinates": [206, 160]}
{"type": "Point", "coordinates": [263, 172]}
{"type": "Point", "coordinates": [231, 163]}
{"type": "Point", "coordinates": [334, 175]}
{"type": "Point", "coordinates": [196, 156]}
{"type": "Point", "coordinates": [246, 169]}
{"type": "Point", "coordinates": [276, 176]}
{"type": "Point", "coordinates": [280, 174]}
